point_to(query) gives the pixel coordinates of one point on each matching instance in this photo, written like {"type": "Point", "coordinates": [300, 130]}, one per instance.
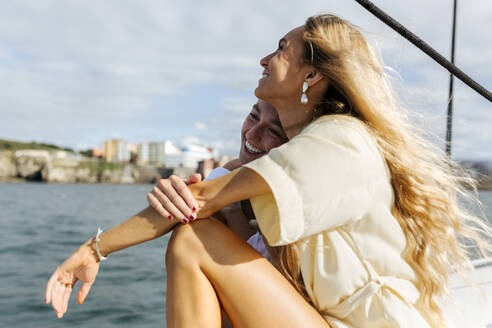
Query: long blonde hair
{"type": "Point", "coordinates": [426, 183]}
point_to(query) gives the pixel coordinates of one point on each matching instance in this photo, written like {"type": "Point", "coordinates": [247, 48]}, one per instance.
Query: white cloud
{"type": "Point", "coordinates": [71, 72]}
{"type": "Point", "coordinates": [223, 131]}
{"type": "Point", "coordinates": [237, 105]}
{"type": "Point", "coordinates": [200, 125]}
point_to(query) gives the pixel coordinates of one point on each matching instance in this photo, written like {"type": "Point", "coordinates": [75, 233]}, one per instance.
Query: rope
{"type": "Point", "coordinates": [425, 48]}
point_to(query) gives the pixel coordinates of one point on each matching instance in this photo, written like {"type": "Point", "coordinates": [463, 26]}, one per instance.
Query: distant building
{"type": "Point", "coordinates": [205, 167]}
{"type": "Point", "coordinates": [97, 153]}
{"type": "Point", "coordinates": [143, 153]}
{"type": "Point", "coordinates": [156, 153]}
{"type": "Point", "coordinates": [165, 153]}
{"type": "Point", "coordinates": [117, 151]}
{"type": "Point", "coordinates": [189, 156]}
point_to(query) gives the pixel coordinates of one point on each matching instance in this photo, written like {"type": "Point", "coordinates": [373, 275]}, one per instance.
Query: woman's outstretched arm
{"type": "Point", "coordinates": [148, 224]}
{"type": "Point", "coordinates": [83, 264]}
{"type": "Point", "coordinates": [210, 196]}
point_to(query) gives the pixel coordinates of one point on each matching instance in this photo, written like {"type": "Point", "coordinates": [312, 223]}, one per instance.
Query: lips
{"type": "Point", "coordinates": [252, 149]}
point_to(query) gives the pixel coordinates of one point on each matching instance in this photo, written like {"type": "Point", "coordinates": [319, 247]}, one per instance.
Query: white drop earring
{"type": "Point", "coordinates": [304, 98]}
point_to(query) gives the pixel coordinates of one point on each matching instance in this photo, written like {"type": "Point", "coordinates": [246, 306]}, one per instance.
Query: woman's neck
{"type": "Point", "coordinates": [294, 116]}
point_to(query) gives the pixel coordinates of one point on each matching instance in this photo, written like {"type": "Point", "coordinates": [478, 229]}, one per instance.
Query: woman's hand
{"type": "Point", "coordinates": [81, 265]}
{"type": "Point", "coordinates": [171, 198]}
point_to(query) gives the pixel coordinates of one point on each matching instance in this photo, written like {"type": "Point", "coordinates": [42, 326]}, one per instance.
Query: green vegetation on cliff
{"type": "Point", "coordinates": [17, 145]}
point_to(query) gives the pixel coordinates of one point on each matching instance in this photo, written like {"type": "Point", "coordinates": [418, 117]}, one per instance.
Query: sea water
{"type": "Point", "coordinates": [41, 224]}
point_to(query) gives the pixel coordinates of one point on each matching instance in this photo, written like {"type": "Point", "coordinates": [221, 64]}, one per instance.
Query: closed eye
{"type": "Point", "coordinates": [254, 116]}
{"type": "Point", "coordinates": [275, 133]}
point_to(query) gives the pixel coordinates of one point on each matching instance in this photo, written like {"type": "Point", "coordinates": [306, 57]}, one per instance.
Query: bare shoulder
{"type": "Point", "coordinates": [233, 164]}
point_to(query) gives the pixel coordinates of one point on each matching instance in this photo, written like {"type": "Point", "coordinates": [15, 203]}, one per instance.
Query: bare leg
{"type": "Point", "coordinates": [206, 262]}
{"type": "Point", "coordinates": [186, 305]}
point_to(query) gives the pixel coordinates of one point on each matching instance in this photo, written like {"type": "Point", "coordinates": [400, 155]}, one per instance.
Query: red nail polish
{"type": "Point", "coordinates": [192, 217]}
{"type": "Point", "coordinates": [170, 217]}
{"type": "Point", "coordinates": [194, 208]}
{"type": "Point", "coordinates": [185, 220]}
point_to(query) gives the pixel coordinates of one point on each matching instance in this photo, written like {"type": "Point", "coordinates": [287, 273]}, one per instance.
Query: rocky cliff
{"type": "Point", "coordinates": [40, 165]}
{"type": "Point", "coordinates": [7, 166]}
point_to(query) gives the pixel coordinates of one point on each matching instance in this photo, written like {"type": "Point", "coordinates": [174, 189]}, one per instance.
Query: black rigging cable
{"type": "Point", "coordinates": [425, 48]}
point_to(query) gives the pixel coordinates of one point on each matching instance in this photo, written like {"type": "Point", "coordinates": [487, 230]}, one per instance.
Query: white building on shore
{"type": "Point", "coordinates": [118, 151]}
{"type": "Point", "coordinates": [165, 153]}
{"type": "Point", "coordinates": [156, 152]}
{"type": "Point", "coordinates": [189, 156]}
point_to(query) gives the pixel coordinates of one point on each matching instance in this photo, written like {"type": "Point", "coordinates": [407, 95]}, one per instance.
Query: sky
{"type": "Point", "coordinates": [75, 73]}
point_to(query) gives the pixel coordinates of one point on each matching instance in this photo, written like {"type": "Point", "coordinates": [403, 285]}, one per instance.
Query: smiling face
{"type": "Point", "coordinates": [261, 132]}
{"type": "Point", "coordinates": [284, 71]}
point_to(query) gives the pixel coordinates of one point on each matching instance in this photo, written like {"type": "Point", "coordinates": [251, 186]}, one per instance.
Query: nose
{"type": "Point", "coordinates": [266, 60]}
{"type": "Point", "coordinates": [254, 133]}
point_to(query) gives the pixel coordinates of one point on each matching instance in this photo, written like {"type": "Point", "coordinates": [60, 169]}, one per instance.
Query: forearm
{"type": "Point", "coordinates": [212, 195]}
{"type": "Point", "coordinates": [143, 226]}
{"type": "Point", "coordinates": [83, 264]}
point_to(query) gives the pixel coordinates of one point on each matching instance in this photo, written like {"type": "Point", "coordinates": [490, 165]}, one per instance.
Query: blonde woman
{"type": "Point", "coordinates": [361, 212]}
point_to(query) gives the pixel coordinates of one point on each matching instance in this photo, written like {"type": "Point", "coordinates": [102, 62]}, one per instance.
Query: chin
{"type": "Point", "coordinates": [261, 94]}
{"type": "Point", "coordinates": [257, 92]}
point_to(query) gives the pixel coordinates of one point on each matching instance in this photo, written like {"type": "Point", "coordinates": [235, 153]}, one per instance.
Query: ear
{"type": "Point", "coordinates": [313, 77]}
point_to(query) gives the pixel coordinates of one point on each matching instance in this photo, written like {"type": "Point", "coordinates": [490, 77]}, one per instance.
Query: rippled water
{"type": "Point", "coordinates": [43, 223]}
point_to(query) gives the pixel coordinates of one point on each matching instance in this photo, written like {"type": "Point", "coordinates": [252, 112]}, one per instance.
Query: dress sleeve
{"type": "Point", "coordinates": [323, 178]}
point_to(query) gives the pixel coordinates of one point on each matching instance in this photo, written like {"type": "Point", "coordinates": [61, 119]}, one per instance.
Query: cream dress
{"type": "Point", "coordinates": [331, 195]}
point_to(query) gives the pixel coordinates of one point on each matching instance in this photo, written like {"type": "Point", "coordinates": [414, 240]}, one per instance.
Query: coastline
{"type": "Point", "coordinates": [57, 167]}
{"type": "Point", "coordinates": [130, 175]}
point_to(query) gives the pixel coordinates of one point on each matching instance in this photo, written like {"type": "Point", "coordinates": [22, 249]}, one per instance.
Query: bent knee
{"type": "Point", "coordinates": [187, 240]}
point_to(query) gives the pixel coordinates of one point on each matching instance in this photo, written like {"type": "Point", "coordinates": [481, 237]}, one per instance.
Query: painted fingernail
{"type": "Point", "coordinates": [192, 217]}
{"type": "Point", "coordinates": [170, 217]}
{"type": "Point", "coordinates": [194, 208]}
{"type": "Point", "coordinates": [185, 220]}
